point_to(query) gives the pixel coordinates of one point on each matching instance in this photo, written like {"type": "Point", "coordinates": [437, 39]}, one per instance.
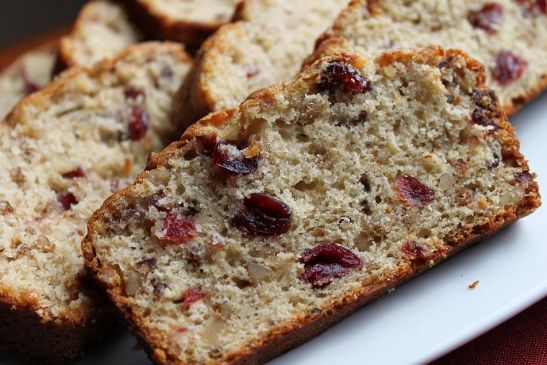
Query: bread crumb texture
{"type": "Point", "coordinates": [507, 36]}
{"type": "Point", "coordinates": [63, 150]}
{"type": "Point", "coordinates": [306, 199]}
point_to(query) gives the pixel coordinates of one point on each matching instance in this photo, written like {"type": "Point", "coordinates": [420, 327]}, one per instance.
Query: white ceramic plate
{"type": "Point", "coordinates": [436, 312]}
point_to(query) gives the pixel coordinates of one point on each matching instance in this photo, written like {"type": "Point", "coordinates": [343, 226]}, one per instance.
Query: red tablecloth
{"type": "Point", "coordinates": [520, 341]}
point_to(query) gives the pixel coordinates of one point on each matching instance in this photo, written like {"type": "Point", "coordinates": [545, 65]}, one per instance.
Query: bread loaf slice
{"type": "Point", "coordinates": [101, 30]}
{"type": "Point", "coordinates": [27, 74]}
{"type": "Point", "coordinates": [267, 223]}
{"type": "Point", "coordinates": [63, 150]}
{"type": "Point", "coordinates": [267, 44]}
{"type": "Point", "coordinates": [507, 36]}
{"type": "Point", "coordinates": [189, 21]}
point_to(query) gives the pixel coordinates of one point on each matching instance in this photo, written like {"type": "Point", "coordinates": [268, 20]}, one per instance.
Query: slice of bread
{"type": "Point", "coordinates": [101, 31]}
{"type": "Point", "coordinates": [27, 74]}
{"type": "Point", "coordinates": [267, 223]}
{"type": "Point", "coordinates": [189, 21]}
{"type": "Point", "coordinates": [507, 36]}
{"type": "Point", "coordinates": [266, 45]}
{"type": "Point", "coordinates": [63, 150]}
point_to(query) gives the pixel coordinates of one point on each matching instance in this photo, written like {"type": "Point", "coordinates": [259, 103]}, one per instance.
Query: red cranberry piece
{"type": "Point", "coordinates": [191, 296]}
{"type": "Point", "coordinates": [29, 86]}
{"type": "Point", "coordinates": [339, 75]}
{"type": "Point", "coordinates": [207, 144]}
{"type": "Point", "coordinates": [139, 121]}
{"type": "Point", "coordinates": [412, 192]}
{"type": "Point", "coordinates": [77, 172]}
{"type": "Point", "coordinates": [177, 230]}
{"type": "Point", "coordinates": [67, 199]}
{"type": "Point", "coordinates": [132, 93]}
{"type": "Point", "coordinates": [487, 18]}
{"type": "Point", "coordinates": [229, 158]}
{"type": "Point", "coordinates": [252, 72]}
{"type": "Point", "coordinates": [417, 252]}
{"type": "Point", "coordinates": [263, 215]}
{"type": "Point", "coordinates": [534, 7]}
{"type": "Point", "coordinates": [542, 6]}
{"type": "Point", "coordinates": [326, 262]}
{"type": "Point", "coordinates": [524, 177]}
{"type": "Point", "coordinates": [509, 67]}
{"type": "Point", "coordinates": [147, 264]}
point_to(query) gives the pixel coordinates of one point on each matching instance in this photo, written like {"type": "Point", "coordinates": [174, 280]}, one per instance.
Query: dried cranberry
{"type": "Point", "coordinates": [416, 251]}
{"type": "Point", "coordinates": [487, 18]}
{"type": "Point", "coordinates": [29, 86]}
{"type": "Point", "coordinates": [412, 192]}
{"type": "Point", "coordinates": [340, 75]}
{"type": "Point", "coordinates": [252, 72]}
{"type": "Point", "coordinates": [229, 158]}
{"type": "Point", "coordinates": [509, 67]}
{"type": "Point", "coordinates": [191, 296]}
{"type": "Point", "coordinates": [263, 215]}
{"type": "Point", "coordinates": [77, 172]}
{"type": "Point", "coordinates": [67, 199]}
{"type": "Point", "coordinates": [132, 93]}
{"type": "Point", "coordinates": [326, 262]}
{"type": "Point", "coordinates": [207, 144]}
{"type": "Point", "coordinates": [177, 230]}
{"type": "Point", "coordinates": [534, 7]}
{"type": "Point", "coordinates": [147, 265]}
{"type": "Point", "coordinates": [139, 121]}
{"type": "Point", "coordinates": [524, 177]}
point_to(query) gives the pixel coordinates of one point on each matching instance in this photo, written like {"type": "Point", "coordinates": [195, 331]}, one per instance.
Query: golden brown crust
{"type": "Point", "coordinates": [162, 27]}
{"type": "Point", "coordinates": [298, 330]}
{"type": "Point", "coordinates": [60, 337]}
{"type": "Point", "coordinates": [193, 100]}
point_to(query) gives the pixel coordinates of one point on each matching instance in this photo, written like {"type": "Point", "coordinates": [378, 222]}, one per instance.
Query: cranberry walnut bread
{"type": "Point", "coordinates": [507, 36]}
{"type": "Point", "coordinates": [267, 44]}
{"type": "Point", "coordinates": [101, 31]}
{"type": "Point", "coordinates": [64, 150]}
{"type": "Point", "coordinates": [267, 223]}
{"type": "Point", "coordinates": [188, 21]}
{"type": "Point", "coordinates": [27, 74]}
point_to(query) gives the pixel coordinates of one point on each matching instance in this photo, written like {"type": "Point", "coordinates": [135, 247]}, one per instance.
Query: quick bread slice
{"type": "Point", "coordinates": [266, 45]}
{"type": "Point", "coordinates": [507, 36]}
{"type": "Point", "coordinates": [189, 21]}
{"type": "Point", "coordinates": [267, 223]}
{"type": "Point", "coordinates": [101, 31]}
{"type": "Point", "coordinates": [27, 74]}
{"type": "Point", "coordinates": [63, 150]}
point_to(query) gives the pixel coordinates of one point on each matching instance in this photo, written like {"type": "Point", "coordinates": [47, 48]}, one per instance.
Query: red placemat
{"type": "Point", "coordinates": [522, 340]}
